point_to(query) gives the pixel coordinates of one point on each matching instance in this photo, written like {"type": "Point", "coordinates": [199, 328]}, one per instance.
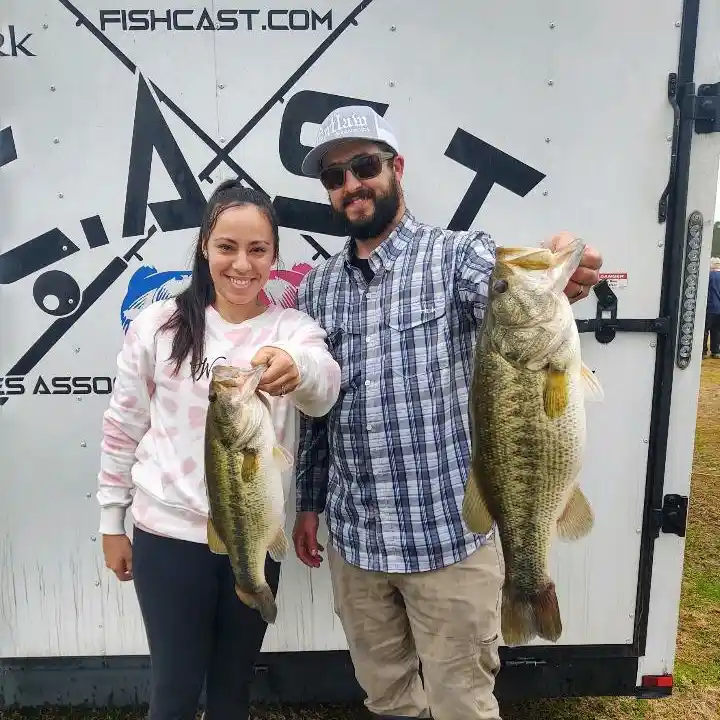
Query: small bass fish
{"type": "Point", "coordinates": [527, 413]}
{"type": "Point", "coordinates": [243, 477]}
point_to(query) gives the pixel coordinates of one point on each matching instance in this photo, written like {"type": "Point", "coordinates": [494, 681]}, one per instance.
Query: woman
{"type": "Point", "coordinates": [152, 452]}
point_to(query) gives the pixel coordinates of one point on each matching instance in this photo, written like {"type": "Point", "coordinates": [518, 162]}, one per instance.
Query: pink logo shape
{"type": "Point", "coordinates": [282, 285]}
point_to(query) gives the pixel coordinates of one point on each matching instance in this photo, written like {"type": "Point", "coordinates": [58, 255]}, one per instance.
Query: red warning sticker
{"type": "Point", "coordinates": [615, 279]}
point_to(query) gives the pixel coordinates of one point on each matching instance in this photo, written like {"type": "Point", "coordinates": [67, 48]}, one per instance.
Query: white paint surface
{"type": "Point", "coordinates": [485, 67]}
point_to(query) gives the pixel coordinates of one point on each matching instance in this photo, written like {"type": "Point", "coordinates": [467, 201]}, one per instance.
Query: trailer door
{"type": "Point", "coordinates": [519, 118]}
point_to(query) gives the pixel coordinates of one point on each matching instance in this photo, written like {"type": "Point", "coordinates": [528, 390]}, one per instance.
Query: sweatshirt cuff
{"type": "Point", "coordinates": [112, 520]}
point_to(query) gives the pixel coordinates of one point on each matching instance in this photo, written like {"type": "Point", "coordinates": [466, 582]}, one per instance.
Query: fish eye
{"type": "Point", "coordinates": [500, 286]}
{"type": "Point", "coordinates": [212, 396]}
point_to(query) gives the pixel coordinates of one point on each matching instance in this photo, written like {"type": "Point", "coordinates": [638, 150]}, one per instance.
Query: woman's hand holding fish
{"type": "Point", "coordinates": [587, 274]}
{"type": "Point", "coordinates": [117, 550]}
{"type": "Point", "coordinates": [282, 375]}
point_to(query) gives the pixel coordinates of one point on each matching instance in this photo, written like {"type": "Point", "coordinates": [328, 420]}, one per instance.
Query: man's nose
{"type": "Point", "coordinates": [351, 182]}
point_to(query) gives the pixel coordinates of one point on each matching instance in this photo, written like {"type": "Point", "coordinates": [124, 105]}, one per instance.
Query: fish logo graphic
{"type": "Point", "coordinates": [148, 285]}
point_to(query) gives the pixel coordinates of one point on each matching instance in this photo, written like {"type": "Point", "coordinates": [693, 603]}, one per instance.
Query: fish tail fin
{"type": "Point", "coordinates": [523, 616]}
{"type": "Point", "coordinates": [263, 601]}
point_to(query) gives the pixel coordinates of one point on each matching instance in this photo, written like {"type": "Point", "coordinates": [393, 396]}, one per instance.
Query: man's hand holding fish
{"type": "Point", "coordinates": [588, 271]}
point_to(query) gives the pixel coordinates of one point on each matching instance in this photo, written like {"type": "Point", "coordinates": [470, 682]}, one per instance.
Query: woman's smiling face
{"type": "Point", "coordinates": [240, 253]}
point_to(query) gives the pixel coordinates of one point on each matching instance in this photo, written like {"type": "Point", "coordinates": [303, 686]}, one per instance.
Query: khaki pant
{"type": "Point", "coordinates": [448, 618]}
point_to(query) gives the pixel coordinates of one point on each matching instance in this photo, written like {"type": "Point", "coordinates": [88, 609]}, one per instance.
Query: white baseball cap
{"type": "Point", "coordinates": [350, 122]}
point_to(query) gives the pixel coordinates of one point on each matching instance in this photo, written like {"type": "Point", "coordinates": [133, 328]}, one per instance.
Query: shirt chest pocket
{"type": "Point", "coordinates": [417, 340]}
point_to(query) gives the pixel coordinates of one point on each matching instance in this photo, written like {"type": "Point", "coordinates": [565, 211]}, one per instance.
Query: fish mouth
{"type": "Point", "coordinates": [232, 372]}
{"type": "Point", "coordinates": [242, 382]}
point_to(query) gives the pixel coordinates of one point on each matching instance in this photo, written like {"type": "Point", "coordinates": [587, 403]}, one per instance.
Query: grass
{"type": "Point", "coordinates": [696, 694]}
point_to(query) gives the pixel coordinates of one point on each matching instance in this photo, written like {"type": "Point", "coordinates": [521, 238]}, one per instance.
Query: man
{"type": "Point", "coordinates": [712, 312]}
{"type": "Point", "coordinates": [401, 305]}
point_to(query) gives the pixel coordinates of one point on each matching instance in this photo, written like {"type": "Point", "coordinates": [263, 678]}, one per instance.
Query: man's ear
{"type": "Point", "coordinates": [399, 165]}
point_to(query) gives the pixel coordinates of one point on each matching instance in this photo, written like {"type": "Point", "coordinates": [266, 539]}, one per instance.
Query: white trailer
{"type": "Point", "coordinates": [522, 118]}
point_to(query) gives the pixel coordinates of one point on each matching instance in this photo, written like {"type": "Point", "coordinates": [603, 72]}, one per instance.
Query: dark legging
{"type": "Point", "coordinates": [197, 628]}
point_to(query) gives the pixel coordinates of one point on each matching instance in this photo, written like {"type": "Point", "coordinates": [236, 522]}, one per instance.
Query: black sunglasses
{"type": "Point", "coordinates": [363, 167]}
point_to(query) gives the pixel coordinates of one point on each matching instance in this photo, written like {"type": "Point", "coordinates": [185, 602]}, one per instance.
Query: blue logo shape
{"type": "Point", "coordinates": [148, 285]}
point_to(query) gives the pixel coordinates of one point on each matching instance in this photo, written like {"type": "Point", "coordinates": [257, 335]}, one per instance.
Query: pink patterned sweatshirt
{"type": "Point", "coordinates": [153, 430]}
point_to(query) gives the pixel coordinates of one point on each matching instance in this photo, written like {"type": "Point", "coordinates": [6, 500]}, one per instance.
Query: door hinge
{"type": "Point", "coordinates": [706, 109]}
{"type": "Point", "coordinates": [671, 518]}
{"type": "Point", "coordinates": [702, 109]}
{"type": "Point", "coordinates": [606, 323]}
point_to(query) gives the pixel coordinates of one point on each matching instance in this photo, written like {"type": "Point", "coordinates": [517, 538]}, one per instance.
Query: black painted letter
{"type": "Point", "coordinates": [151, 132]}
{"type": "Point", "coordinates": [492, 166]}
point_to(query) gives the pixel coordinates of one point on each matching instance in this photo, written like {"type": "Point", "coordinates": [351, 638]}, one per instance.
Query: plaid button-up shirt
{"type": "Point", "coordinates": [389, 462]}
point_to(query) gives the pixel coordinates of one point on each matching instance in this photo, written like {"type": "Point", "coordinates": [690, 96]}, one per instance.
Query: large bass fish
{"type": "Point", "coordinates": [527, 413]}
{"type": "Point", "coordinates": [243, 477]}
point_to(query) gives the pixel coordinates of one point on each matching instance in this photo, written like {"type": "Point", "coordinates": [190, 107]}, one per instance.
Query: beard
{"type": "Point", "coordinates": [386, 208]}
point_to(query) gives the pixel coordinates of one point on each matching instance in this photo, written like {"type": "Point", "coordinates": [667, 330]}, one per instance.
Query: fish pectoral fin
{"type": "Point", "coordinates": [279, 546]}
{"type": "Point", "coordinates": [577, 518]}
{"type": "Point", "coordinates": [282, 458]}
{"type": "Point", "coordinates": [215, 544]}
{"type": "Point", "coordinates": [475, 511]}
{"type": "Point", "coordinates": [250, 465]}
{"type": "Point", "coordinates": [591, 385]}
{"type": "Point", "coordinates": [556, 393]}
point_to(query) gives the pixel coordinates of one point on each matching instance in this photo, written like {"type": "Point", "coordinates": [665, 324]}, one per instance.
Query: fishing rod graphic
{"type": "Point", "coordinates": [92, 293]}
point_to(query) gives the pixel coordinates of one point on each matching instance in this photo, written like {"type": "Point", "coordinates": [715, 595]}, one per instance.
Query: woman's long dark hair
{"type": "Point", "coordinates": [188, 321]}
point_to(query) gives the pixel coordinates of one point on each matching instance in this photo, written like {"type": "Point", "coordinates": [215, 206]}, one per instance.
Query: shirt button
{"type": "Point", "coordinates": [370, 426]}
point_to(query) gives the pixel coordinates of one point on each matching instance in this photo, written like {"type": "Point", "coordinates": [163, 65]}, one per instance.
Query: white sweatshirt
{"type": "Point", "coordinates": [152, 457]}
